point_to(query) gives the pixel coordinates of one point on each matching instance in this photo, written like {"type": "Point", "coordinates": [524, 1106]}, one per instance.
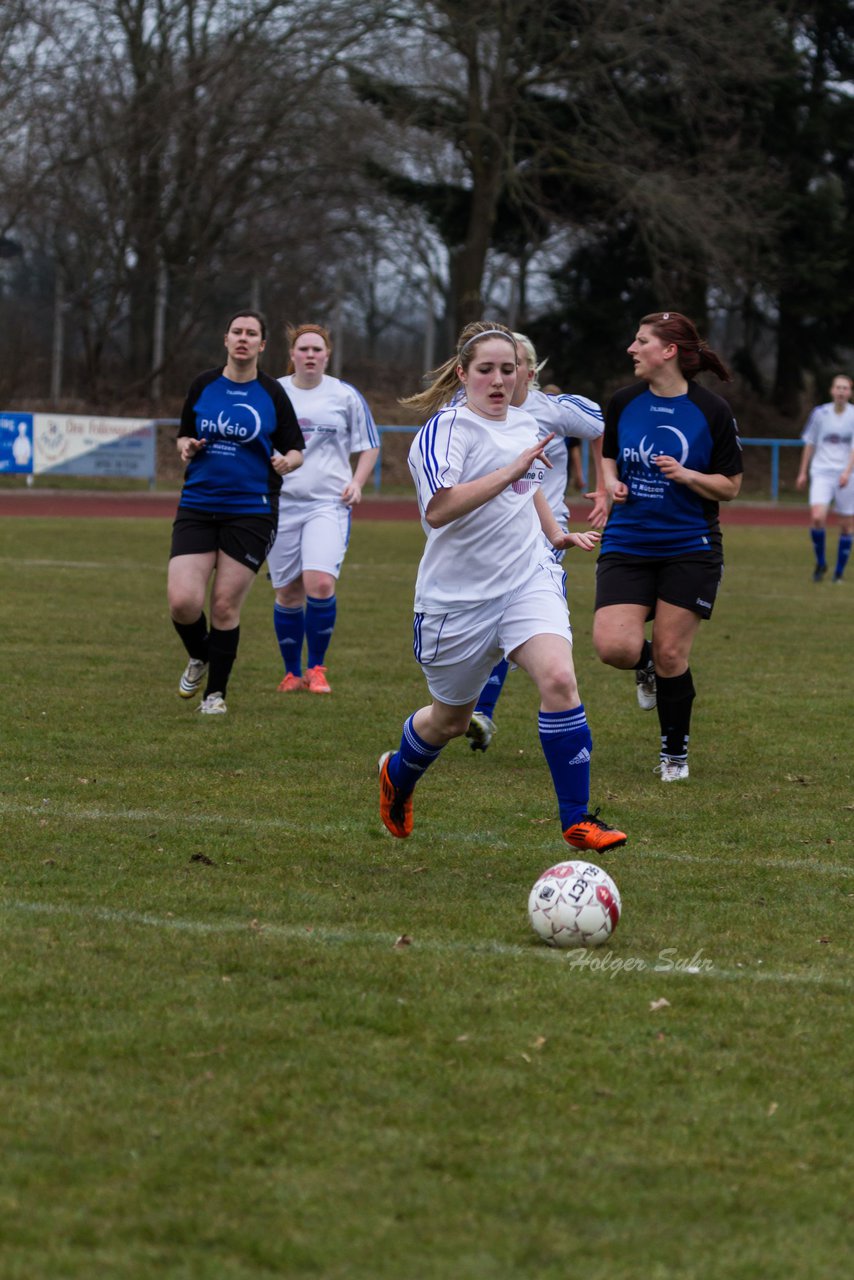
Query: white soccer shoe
{"type": "Point", "coordinates": [192, 679]}
{"type": "Point", "coordinates": [647, 690]}
{"type": "Point", "coordinates": [481, 731]}
{"type": "Point", "coordinates": [671, 770]}
{"type": "Point", "coordinates": [213, 705]}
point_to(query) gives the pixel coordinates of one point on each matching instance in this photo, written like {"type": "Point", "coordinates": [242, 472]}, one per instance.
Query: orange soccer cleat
{"type": "Point", "coordinates": [291, 684]}
{"type": "Point", "coordinates": [395, 809]}
{"type": "Point", "coordinates": [594, 834]}
{"type": "Point", "coordinates": [315, 680]}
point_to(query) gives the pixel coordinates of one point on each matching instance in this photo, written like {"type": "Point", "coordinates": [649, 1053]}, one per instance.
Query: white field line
{"type": "Point", "coordinates": [124, 565]}
{"type": "Point", "coordinates": [605, 963]}
{"type": "Point", "coordinates": [160, 567]}
{"type": "Point", "coordinates": [210, 820]}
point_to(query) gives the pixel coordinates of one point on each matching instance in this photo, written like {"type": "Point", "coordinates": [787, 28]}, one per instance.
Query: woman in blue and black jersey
{"type": "Point", "coordinates": [670, 456]}
{"type": "Point", "coordinates": [238, 436]}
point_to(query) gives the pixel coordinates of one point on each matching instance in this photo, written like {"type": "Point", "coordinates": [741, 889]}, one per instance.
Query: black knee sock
{"type": "Point", "coordinates": [675, 696]}
{"type": "Point", "coordinates": [194, 637]}
{"type": "Point", "coordinates": [222, 651]}
{"type": "Point", "coordinates": [645, 656]}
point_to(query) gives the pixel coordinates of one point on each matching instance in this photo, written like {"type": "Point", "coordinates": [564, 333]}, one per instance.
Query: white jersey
{"type": "Point", "coordinates": [567, 416]}
{"type": "Point", "coordinates": [493, 549]}
{"type": "Point", "coordinates": [832, 436]}
{"type": "Point", "coordinates": [336, 422]}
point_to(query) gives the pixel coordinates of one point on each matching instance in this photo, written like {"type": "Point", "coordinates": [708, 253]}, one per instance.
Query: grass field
{"type": "Point", "coordinates": [216, 1062]}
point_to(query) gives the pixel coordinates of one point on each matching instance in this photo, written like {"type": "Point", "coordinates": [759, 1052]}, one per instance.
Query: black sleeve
{"type": "Point", "coordinates": [288, 434]}
{"type": "Point", "coordinates": [616, 405]}
{"type": "Point", "coordinates": [726, 459]}
{"type": "Point", "coordinates": [188, 413]}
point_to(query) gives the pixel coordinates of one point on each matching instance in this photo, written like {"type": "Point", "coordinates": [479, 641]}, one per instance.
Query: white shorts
{"type": "Point", "coordinates": [457, 651]}
{"type": "Point", "coordinates": [826, 489]}
{"type": "Point", "coordinates": [310, 536]}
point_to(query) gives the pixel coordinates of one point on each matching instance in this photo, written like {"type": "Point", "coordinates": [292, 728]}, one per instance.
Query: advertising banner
{"type": "Point", "coordinates": [75, 445]}
{"type": "Point", "coordinates": [16, 443]}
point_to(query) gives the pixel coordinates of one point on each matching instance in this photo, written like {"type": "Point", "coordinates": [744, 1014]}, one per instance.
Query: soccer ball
{"type": "Point", "coordinates": [575, 904]}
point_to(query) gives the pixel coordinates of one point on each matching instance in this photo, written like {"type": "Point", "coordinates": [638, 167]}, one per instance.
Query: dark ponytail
{"type": "Point", "coordinates": [695, 354]}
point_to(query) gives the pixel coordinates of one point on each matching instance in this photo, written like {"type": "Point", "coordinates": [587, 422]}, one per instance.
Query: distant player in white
{"type": "Point", "coordinates": [22, 450]}
{"type": "Point", "coordinates": [316, 506]}
{"type": "Point", "coordinates": [487, 584]}
{"type": "Point", "coordinates": [828, 460]}
{"type": "Point", "coordinates": [560, 417]}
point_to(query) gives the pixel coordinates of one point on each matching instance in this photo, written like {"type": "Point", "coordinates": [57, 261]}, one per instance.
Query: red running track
{"type": "Point", "coordinates": [85, 503]}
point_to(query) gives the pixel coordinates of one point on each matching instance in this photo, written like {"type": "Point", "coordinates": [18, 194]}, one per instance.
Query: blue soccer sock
{"type": "Point", "coordinates": [567, 744]}
{"type": "Point", "coordinates": [319, 625]}
{"type": "Point", "coordinates": [289, 625]}
{"type": "Point", "coordinates": [842, 554]}
{"type": "Point", "coordinates": [818, 544]}
{"type": "Point", "coordinates": [412, 758]}
{"type": "Point", "coordinates": [490, 692]}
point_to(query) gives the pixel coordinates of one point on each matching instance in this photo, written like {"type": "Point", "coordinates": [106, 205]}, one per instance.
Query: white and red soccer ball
{"type": "Point", "coordinates": [574, 904]}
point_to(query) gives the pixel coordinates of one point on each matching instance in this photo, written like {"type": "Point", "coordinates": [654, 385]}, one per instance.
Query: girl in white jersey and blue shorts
{"type": "Point", "coordinates": [828, 460]}
{"type": "Point", "coordinates": [316, 507]}
{"type": "Point", "coordinates": [670, 456]}
{"type": "Point", "coordinates": [487, 584]}
{"type": "Point", "coordinates": [560, 416]}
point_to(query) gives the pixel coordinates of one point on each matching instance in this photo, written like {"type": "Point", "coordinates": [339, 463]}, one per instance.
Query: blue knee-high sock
{"type": "Point", "coordinates": [411, 759]}
{"type": "Point", "coordinates": [842, 554]}
{"type": "Point", "coordinates": [490, 692]}
{"type": "Point", "coordinates": [818, 542]}
{"type": "Point", "coordinates": [567, 743]}
{"type": "Point", "coordinates": [319, 625]}
{"type": "Point", "coordinates": [289, 625]}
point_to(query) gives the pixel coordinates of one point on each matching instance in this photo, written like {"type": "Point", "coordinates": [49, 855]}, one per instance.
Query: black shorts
{"type": "Point", "coordinates": [689, 582]}
{"type": "Point", "coordinates": [246, 539]}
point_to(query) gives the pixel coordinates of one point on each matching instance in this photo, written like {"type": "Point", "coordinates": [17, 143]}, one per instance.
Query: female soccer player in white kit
{"type": "Point", "coordinates": [487, 583]}
{"type": "Point", "coordinates": [560, 417]}
{"type": "Point", "coordinates": [828, 460]}
{"type": "Point", "coordinates": [315, 507]}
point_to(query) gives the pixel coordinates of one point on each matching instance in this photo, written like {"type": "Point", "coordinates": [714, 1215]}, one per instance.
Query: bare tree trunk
{"type": "Point", "coordinates": [158, 342]}
{"type": "Point", "coordinates": [337, 338]}
{"type": "Point", "coordinates": [430, 325]}
{"type": "Point", "coordinates": [58, 345]}
{"type": "Point", "coordinates": [788, 380]}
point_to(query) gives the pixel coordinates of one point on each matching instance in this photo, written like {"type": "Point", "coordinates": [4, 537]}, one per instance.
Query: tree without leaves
{"type": "Point", "coordinates": [588, 114]}
{"type": "Point", "coordinates": [808, 137]}
{"type": "Point", "coordinates": [461, 80]}
{"type": "Point", "coordinates": [177, 140]}
{"type": "Point", "coordinates": [206, 137]}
